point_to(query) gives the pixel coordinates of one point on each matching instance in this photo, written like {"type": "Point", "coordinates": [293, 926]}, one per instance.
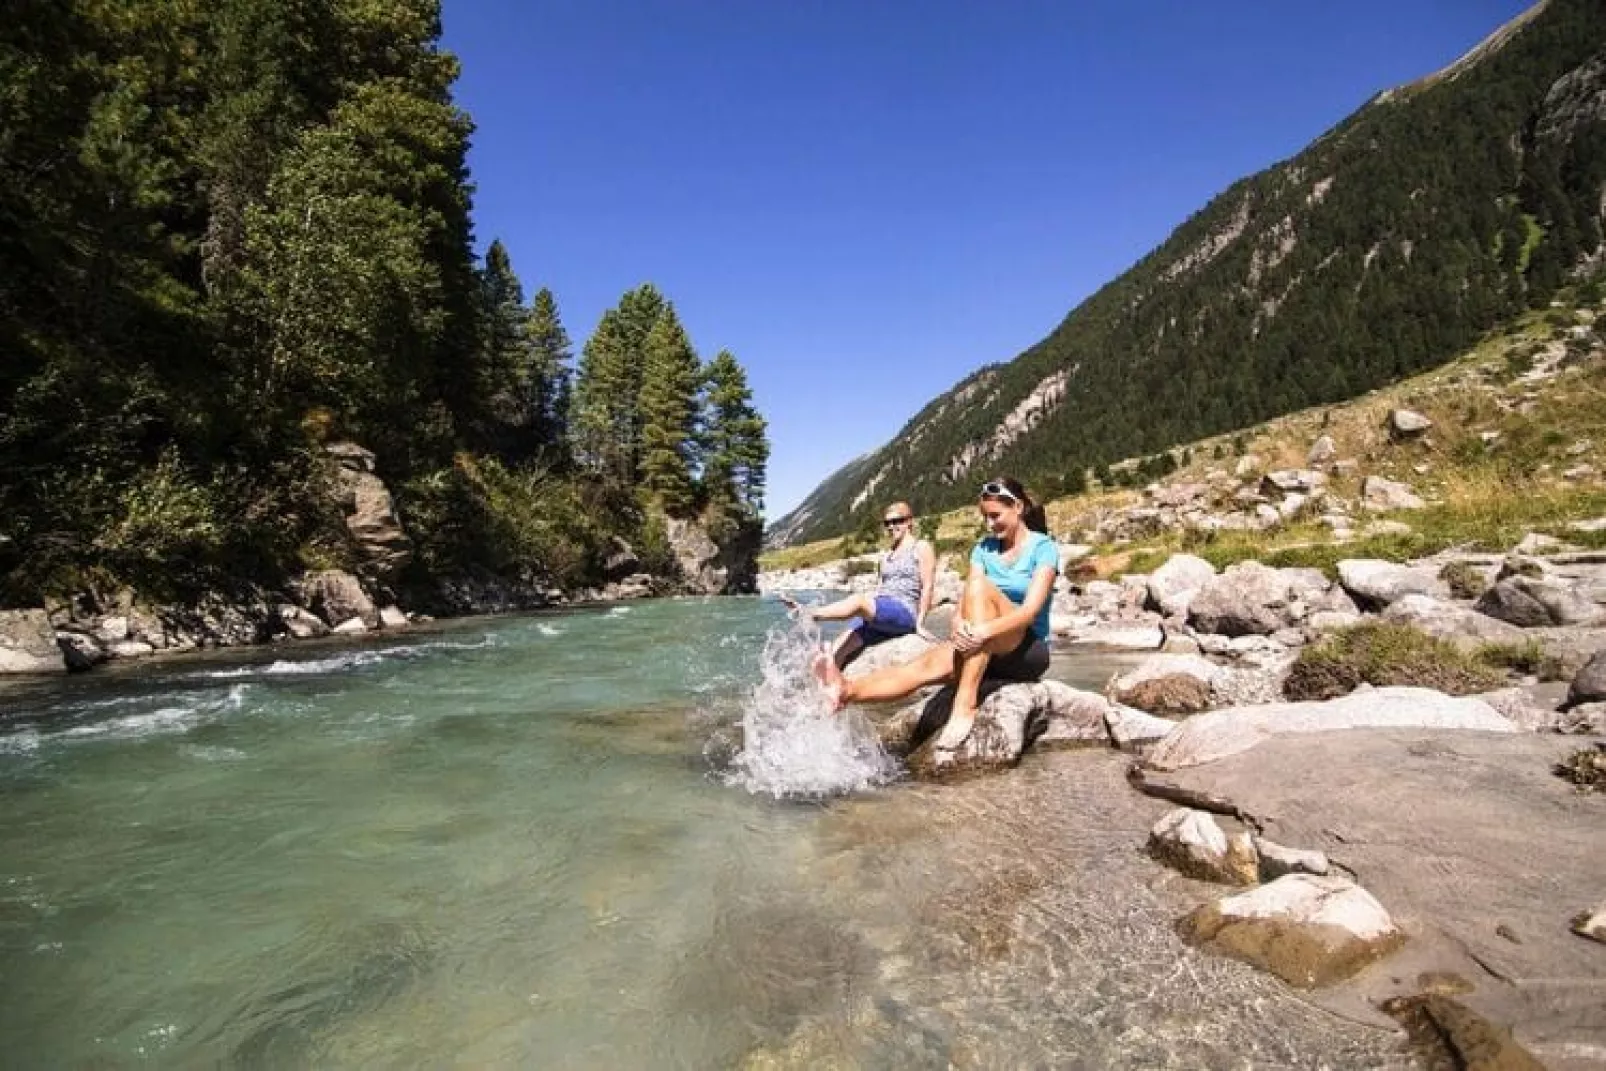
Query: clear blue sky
{"type": "Point", "coordinates": [866, 200]}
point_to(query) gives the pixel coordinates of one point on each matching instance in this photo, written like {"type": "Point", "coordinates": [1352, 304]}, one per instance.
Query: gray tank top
{"type": "Point", "coordinates": [900, 577]}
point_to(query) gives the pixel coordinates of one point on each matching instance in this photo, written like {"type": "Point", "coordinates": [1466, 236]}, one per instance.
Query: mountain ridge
{"type": "Point", "coordinates": [1383, 248]}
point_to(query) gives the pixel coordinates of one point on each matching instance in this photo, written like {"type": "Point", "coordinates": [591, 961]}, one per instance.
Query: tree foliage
{"type": "Point", "coordinates": [233, 229]}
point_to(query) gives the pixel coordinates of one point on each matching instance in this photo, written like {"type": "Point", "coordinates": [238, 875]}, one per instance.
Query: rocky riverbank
{"type": "Point", "coordinates": [377, 594]}
{"type": "Point", "coordinates": [1398, 849]}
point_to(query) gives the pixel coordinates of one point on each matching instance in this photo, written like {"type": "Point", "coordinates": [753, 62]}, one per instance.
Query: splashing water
{"type": "Point", "coordinates": [793, 745]}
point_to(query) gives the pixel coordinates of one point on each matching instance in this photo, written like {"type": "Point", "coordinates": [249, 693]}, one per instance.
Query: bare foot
{"type": "Point", "coordinates": [958, 728]}
{"type": "Point", "coordinates": [830, 679]}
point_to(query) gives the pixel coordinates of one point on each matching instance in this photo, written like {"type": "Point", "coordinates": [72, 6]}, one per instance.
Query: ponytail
{"type": "Point", "coordinates": [1033, 516]}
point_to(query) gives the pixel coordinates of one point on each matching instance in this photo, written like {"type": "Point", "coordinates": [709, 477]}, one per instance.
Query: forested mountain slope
{"type": "Point", "coordinates": [1387, 246]}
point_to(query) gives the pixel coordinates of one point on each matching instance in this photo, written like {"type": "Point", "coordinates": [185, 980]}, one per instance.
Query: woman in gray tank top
{"type": "Point", "coordinates": [901, 598]}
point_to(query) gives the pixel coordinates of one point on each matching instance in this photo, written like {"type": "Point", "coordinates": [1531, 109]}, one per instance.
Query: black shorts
{"type": "Point", "coordinates": [1026, 663]}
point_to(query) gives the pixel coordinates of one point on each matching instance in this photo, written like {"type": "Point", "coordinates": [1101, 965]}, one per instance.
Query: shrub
{"type": "Point", "coordinates": [1466, 580]}
{"type": "Point", "coordinates": [1585, 768]}
{"type": "Point", "coordinates": [1383, 654]}
{"type": "Point", "coordinates": [1527, 658]}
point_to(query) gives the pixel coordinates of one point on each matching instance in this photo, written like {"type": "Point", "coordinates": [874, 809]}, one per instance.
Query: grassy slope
{"type": "Point", "coordinates": [1483, 497]}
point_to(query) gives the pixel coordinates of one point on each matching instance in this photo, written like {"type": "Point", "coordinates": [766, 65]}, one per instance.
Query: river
{"type": "Point", "coordinates": [538, 841]}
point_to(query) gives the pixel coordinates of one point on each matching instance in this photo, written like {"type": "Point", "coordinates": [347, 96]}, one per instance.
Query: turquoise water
{"type": "Point", "coordinates": [534, 841]}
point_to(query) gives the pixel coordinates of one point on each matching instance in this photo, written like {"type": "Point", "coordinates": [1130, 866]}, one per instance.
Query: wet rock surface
{"type": "Point", "coordinates": [1471, 845]}
{"type": "Point", "coordinates": [1306, 929]}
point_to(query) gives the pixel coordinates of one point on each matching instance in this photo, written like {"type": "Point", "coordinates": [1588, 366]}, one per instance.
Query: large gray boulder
{"type": "Point", "coordinates": [1208, 737]}
{"type": "Point", "coordinates": [28, 643]}
{"type": "Point", "coordinates": [726, 567]}
{"type": "Point", "coordinates": [1450, 621]}
{"type": "Point", "coordinates": [1009, 719]}
{"type": "Point", "coordinates": [337, 597]}
{"type": "Point", "coordinates": [1375, 584]}
{"type": "Point", "coordinates": [1589, 684]}
{"type": "Point", "coordinates": [370, 513]}
{"type": "Point", "coordinates": [1538, 602]}
{"type": "Point", "coordinates": [889, 653]}
{"type": "Point", "coordinates": [1308, 930]}
{"type": "Point", "coordinates": [1173, 586]}
{"type": "Point", "coordinates": [1247, 599]}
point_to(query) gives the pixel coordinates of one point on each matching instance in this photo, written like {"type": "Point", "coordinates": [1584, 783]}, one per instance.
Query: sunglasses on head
{"type": "Point", "coordinates": [893, 522]}
{"type": "Point", "coordinates": [995, 489]}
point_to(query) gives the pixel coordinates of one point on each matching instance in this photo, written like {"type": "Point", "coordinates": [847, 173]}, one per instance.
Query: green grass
{"type": "Point", "coordinates": [1382, 654]}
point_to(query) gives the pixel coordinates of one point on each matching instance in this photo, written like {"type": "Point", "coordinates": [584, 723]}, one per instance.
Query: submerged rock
{"type": "Point", "coordinates": [1276, 860]}
{"type": "Point", "coordinates": [1306, 929]}
{"type": "Point", "coordinates": [1193, 843]}
{"type": "Point", "coordinates": [1208, 737]}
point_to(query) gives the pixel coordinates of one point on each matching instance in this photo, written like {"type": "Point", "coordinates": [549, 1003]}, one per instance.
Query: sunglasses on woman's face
{"type": "Point", "coordinates": [893, 522]}
{"type": "Point", "coordinates": [994, 489]}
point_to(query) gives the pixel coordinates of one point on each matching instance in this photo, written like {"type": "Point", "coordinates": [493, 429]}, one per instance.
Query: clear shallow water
{"type": "Point", "coordinates": [532, 841]}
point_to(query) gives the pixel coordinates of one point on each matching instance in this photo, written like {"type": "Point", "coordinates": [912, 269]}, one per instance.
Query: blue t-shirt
{"type": "Point", "coordinates": [1014, 578]}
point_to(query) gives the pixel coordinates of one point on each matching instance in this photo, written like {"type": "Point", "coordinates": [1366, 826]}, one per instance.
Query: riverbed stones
{"type": "Point", "coordinates": [1374, 583]}
{"type": "Point", "coordinates": [301, 624]}
{"type": "Point", "coordinates": [1193, 843]}
{"type": "Point", "coordinates": [1218, 734]}
{"type": "Point", "coordinates": [1132, 729]}
{"type": "Point", "coordinates": [28, 643]}
{"type": "Point", "coordinates": [1309, 930]}
{"type": "Point", "coordinates": [1172, 587]}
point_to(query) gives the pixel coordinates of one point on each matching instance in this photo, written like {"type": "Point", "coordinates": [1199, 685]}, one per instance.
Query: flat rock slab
{"type": "Point", "coordinates": [1208, 737]}
{"type": "Point", "coordinates": [1479, 853]}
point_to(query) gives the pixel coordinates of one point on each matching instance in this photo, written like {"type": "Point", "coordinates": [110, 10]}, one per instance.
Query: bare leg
{"type": "Point", "coordinates": [852, 606]}
{"type": "Point", "coordinates": [982, 602]}
{"type": "Point", "coordinates": [894, 682]}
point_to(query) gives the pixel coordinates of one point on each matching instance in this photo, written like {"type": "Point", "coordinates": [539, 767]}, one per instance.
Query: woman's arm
{"type": "Point", "coordinates": [1037, 594]}
{"type": "Point", "coordinates": [928, 575]}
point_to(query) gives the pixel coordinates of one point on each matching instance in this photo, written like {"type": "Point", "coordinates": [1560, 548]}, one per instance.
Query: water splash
{"type": "Point", "coordinates": [793, 745]}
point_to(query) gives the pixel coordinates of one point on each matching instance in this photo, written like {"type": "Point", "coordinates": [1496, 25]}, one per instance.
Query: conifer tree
{"type": "Point", "coordinates": [735, 441]}
{"type": "Point", "coordinates": [504, 353]}
{"type": "Point", "coordinates": [670, 373]}
{"type": "Point", "coordinates": [546, 376]}
{"type": "Point", "coordinates": [603, 411]}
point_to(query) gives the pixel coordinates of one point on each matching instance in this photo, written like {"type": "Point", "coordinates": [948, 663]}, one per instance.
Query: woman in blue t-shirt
{"type": "Point", "coordinates": [1001, 630]}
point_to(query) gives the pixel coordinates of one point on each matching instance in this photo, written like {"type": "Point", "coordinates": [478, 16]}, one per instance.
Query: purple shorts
{"type": "Point", "coordinates": [892, 618]}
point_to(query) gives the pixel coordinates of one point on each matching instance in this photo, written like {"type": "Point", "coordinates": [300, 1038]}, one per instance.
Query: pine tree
{"type": "Point", "coordinates": [546, 376]}
{"type": "Point", "coordinates": [670, 373]}
{"type": "Point", "coordinates": [504, 354]}
{"type": "Point", "coordinates": [735, 441]}
{"type": "Point", "coordinates": [603, 411]}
